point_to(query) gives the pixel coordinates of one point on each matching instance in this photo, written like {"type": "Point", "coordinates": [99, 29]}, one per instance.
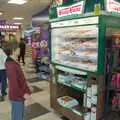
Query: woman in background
{"type": "Point", "coordinates": [22, 47]}
{"type": "Point", "coordinates": [3, 80]}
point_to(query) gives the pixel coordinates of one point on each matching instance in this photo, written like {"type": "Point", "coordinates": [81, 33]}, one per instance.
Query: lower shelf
{"type": "Point", "coordinates": [70, 114]}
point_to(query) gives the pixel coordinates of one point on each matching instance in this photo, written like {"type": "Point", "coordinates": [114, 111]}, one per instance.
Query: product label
{"type": "Point", "coordinates": [89, 92]}
{"type": "Point", "coordinates": [94, 100]}
{"type": "Point", "coordinates": [74, 9]}
{"type": "Point", "coordinates": [94, 90]}
{"type": "Point", "coordinates": [89, 102]}
{"type": "Point", "coordinates": [93, 113]}
{"type": "Point", "coordinates": [87, 116]}
{"type": "Point", "coordinates": [97, 9]}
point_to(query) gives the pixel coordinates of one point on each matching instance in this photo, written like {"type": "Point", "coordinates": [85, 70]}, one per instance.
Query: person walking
{"type": "Point", "coordinates": [22, 48]}
{"type": "Point", "coordinates": [17, 85]}
{"type": "Point", "coordinates": [3, 79]}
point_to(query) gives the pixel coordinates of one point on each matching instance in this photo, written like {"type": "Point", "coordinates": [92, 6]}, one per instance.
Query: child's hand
{"type": "Point", "coordinates": [26, 96]}
{"type": "Point", "coordinates": [31, 89]}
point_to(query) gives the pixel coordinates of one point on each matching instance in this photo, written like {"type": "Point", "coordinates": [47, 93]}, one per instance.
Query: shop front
{"type": "Point", "coordinates": [85, 54]}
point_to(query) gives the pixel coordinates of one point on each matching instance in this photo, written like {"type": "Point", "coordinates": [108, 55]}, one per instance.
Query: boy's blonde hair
{"type": "Point", "coordinates": [8, 48]}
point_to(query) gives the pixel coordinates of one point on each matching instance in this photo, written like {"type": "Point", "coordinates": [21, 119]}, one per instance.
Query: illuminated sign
{"type": "Point", "coordinates": [113, 6]}
{"type": "Point", "coordinates": [70, 10]}
{"type": "Point", "coordinates": [9, 27]}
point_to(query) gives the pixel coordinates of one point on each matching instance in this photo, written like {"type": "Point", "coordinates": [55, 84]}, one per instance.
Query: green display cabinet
{"type": "Point", "coordinates": [84, 55]}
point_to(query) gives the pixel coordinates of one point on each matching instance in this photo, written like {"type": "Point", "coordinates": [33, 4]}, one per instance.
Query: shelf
{"type": "Point", "coordinates": [115, 109]}
{"type": "Point", "coordinates": [66, 84]}
{"type": "Point", "coordinates": [70, 113]}
{"type": "Point", "coordinates": [78, 89]}
{"type": "Point", "coordinates": [81, 69]}
{"type": "Point", "coordinates": [71, 86]}
{"type": "Point", "coordinates": [76, 48]}
{"type": "Point", "coordinates": [71, 70]}
{"type": "Point", "coordinates": [116, 46]}
{"type": "Point", "coordinates": [115, 89]}
{"type": "Point", "coordinates": [75, 57]}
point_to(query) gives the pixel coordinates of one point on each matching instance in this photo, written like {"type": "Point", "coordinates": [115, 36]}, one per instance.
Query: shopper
{"type": "Point", "coordinates": [22, 47]}
{"type": "Point", "coordinates": [17, 86]}
{"type": "Point", "coordinates": [3, 80]}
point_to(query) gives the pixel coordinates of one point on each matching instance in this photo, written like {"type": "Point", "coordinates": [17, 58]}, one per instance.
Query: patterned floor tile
{"type": "Point", "coordinates": [36, 89]}
{"type": "Point", "coordinates": [35, 110]}
{"type": "Point", "coordinates": [48, 116]}
{"type": "Point", "coordinates": [33, 80]}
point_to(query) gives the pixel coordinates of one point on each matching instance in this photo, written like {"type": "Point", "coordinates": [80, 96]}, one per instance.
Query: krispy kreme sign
{"type": "Point", "coordinates": [113, 6]}
{"type": "Point", "coordinates": [70, 10]}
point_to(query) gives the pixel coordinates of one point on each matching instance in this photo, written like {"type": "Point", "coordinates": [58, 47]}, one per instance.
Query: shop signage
{"type": "Point", "coordinates": [70, 10]}
{"type": "Point", "coordinates": [9, 27]}
{"type": "Point", "coordinates": [113, 6]}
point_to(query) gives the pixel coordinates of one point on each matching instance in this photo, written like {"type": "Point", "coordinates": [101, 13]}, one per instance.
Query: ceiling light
{"type": "Point", "coordinates": [18, 18]}
{"type": "Point", "coordinates": [17, 23]}
{"type": "Point", "coordinates": [1, 13]}
{"type": "Point", "coordinates": [18, 2]}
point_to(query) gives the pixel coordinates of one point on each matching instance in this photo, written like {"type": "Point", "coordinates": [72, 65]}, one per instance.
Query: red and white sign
{"type": "Point", "coordinates": [113, 6]}
{"type": "Point", "coordinates": [70, 10]}
{"type": "Point", "coordinates": [9, 27]}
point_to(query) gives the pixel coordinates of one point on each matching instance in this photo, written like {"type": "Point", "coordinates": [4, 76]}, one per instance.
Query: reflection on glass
{"type": "Point", "coordinates": [76, 46]}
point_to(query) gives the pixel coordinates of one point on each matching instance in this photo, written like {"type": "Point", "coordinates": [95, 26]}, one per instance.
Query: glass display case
{"type": "Point", "coordinates": [76, 46]}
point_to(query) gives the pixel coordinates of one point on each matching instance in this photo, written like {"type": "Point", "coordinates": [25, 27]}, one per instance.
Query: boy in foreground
{"type": "Point", "coordinates": [17, 85]}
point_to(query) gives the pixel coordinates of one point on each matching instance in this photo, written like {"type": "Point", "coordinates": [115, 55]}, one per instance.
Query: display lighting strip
{"type": "Point", "coordinates": [18, 2]}
{"type": "Point", "coordinates": [18, 18]}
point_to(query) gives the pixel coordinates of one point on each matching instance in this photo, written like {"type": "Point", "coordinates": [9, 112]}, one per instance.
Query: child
{"type": "Point", "coordinates": [17, 86]}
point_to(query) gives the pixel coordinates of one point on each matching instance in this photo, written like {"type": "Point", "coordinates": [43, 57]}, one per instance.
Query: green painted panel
{"type": "Point", "coordinates": [111, 21]}
{"type": "Point", "coordinates": [105, 22]}
{"type": "Point", "coordinates": [89, 7]}
{"type": "Point", "coordinates": [53, 13]}
{"type": "Point", "coordinates": [101, 51]}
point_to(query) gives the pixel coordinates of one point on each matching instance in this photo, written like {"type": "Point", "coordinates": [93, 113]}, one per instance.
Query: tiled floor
{"type": "Point", "coordinates": [38, 105]}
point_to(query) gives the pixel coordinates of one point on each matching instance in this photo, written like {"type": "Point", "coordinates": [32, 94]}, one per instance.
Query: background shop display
{"type": "Point", "coordinates": [40, 44]}
{"type": "Point", "coordinates": [9, 32]}
{"type": "Point", "coordinates": [41, 53]}
{"type": "Point", "coordinates": [85, 61]}
{"type": "Point", "coordinates": [28, 35]}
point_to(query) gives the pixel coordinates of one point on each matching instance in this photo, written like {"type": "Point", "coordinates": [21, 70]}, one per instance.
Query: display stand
{"type": "Point", "coordinates": [42, 41]}
{"type": "Point", "coordinates": [40, 53]}
{"type": "Point", "coordinates": [84, 57]}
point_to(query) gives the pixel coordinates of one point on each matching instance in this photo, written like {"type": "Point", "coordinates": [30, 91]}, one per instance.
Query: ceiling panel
{"type": "Point", "coordinates": [26, 10]}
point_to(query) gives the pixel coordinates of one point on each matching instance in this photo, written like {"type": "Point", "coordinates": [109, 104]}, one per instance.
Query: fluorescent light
{"type": "Point", "coordinates": [18, 2]}
{"type": "Point", "coordinates": [1, 13]}
{"type": "Point", "coordinates": [17, 23]}
{"type": "Point", "coordinates": [45, 18]}
{"type": "Point", "coordinates": [18, 18]}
